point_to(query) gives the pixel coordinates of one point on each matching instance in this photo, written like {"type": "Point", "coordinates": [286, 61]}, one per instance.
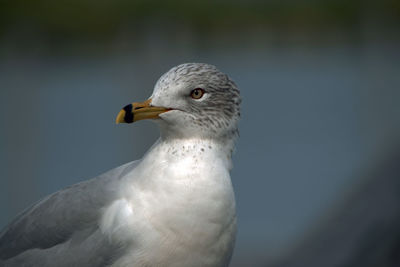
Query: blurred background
{"type": "Point", "coordinates": [317, 167]}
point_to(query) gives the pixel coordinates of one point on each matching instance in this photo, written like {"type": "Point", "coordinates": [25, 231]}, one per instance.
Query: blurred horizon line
{"type": "Point", "coordinates": [57, 22]}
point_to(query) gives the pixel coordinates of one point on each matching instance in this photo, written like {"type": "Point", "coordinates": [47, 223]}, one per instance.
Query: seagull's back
{"type": "Point", "coordinates": [54, 230]}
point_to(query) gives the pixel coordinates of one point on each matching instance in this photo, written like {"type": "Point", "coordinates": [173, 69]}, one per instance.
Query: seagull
{"type": "Point", "coordinates": [173, 207]}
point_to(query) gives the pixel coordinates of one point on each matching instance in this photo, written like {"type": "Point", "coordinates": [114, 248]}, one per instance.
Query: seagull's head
{"type": "Point", "coordinates": [190, 100]}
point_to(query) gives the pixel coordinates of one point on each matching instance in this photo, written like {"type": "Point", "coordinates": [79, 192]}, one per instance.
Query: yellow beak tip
{"type": "Point", "coordinates": [120, 117]}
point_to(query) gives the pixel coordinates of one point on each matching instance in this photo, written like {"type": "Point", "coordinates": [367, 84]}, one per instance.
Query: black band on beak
{"type": "Point", "coordinates": [128, 118]}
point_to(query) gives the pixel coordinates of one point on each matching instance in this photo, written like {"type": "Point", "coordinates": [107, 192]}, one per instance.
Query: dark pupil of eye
{"type": "Point", "coordinates": [196, 92]}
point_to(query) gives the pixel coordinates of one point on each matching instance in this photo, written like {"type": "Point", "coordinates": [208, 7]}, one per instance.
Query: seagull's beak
{"type": "Point", "coordinates": [139, 111]}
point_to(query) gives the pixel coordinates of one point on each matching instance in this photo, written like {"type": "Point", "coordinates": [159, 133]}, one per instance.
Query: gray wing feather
{"type": "Point", "coordinates": [69, 215]}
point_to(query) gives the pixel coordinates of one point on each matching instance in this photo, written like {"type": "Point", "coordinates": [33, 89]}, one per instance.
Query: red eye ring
{"type": "Point", "coordinates": [197, 93]}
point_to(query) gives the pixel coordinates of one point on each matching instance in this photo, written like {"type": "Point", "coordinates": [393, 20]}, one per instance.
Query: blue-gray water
{"type": "Point", "coordinates": [313, 119]}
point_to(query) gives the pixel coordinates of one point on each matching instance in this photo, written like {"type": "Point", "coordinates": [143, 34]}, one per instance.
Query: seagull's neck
{"type": "Point", "coordinates": [202, 148]}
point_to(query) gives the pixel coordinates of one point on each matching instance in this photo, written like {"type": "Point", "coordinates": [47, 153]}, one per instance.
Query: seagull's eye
{"type": "Point", "coordinates": [197, 93]}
